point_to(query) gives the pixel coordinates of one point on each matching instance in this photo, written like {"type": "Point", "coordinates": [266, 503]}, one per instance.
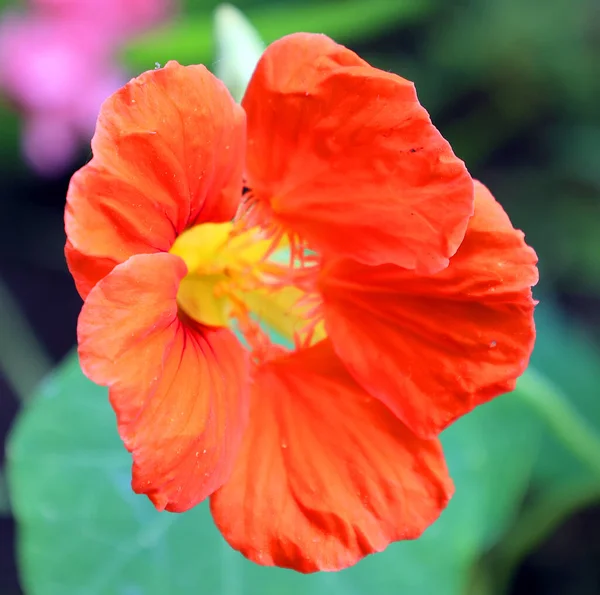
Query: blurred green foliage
{"type": "Point", "coordinates": [514, 86]}
{"type": "Point", "coordinates": [191, 41]}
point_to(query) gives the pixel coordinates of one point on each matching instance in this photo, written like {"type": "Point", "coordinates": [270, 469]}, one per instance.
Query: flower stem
{"type": "Point", "coordinates": [23, 360]}
{"type": "Point", "coordinates": [568, 426]}
{"type": "Point", "coordinates": [4, 501]}
{"type": "Point", "coordinates": [538, 521]}
{"type": "Point", "coordinates": [536, 524]}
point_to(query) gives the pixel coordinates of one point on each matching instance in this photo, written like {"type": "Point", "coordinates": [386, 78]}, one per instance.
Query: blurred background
{"type": "Point", "coordinates": [514, 85]}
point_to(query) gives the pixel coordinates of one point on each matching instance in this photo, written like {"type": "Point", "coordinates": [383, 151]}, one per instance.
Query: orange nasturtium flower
{"type": "Point", "coordinates": [328, 208]}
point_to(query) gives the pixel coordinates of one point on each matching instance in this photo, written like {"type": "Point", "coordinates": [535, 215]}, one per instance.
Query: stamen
{"type": "Point", "coordinates": [247, 215]}
{"type": "Point", "coordinates": [261, 347]}
{"type": "Point", "coordinates": [256, 213]}
{"type": "Point", "coordinates": [276, 235]}
{"type": "Point", "coordinates": [256, 221]}
{"type": "Point", "coordinates": [314, 317]}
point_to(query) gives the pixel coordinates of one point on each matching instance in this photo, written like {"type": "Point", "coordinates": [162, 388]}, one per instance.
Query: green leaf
{"type": "Point", "coordinates": [82, 530]}
{"type": "Point", "coordinates": [239, 48]}
{"type": "Point", "coordinates": [190, 41]}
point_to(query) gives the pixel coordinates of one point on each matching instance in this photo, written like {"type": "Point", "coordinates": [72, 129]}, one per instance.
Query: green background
{"type": "Point", "coordinates": [514, 86]}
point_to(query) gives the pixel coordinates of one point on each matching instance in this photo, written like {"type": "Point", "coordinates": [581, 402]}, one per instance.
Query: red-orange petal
{"type": "Point", "coordinates": [344, 155]}
{"type": "Point", "coordinates": [168, 153]}
{"type": "Point", "coordinates": [179, 390]}
{"type": "Point", "coordinates": [434, 347]}
{"type": "Point", "coordinates": [326, 474]}
{"type": "Point", "coordinates": [87, 270]}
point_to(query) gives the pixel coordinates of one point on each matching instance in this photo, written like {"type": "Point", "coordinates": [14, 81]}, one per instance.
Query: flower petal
{"type": "Point", "coordinates": [86, 270]}
{"type": "Point", "coordinates": [168, 153]}
{"type": "Point", "coordinates": [326, 474]}
{"type": "Point", "coordinates": [433, 347]}
{"type": "Point", "coordinates": [338, 149]}
{"type": "Point", "coordinates": [178, 389]}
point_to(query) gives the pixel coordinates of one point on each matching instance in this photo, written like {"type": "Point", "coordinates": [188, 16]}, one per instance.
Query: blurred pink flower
{"type": "Point", "coordinates": [118, 17]}
{"type": "Point", "coordinates": [57, 65]}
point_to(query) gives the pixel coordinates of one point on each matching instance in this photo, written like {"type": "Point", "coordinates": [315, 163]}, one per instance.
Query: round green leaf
{"type": "Point", "coordinates": [82, 529]}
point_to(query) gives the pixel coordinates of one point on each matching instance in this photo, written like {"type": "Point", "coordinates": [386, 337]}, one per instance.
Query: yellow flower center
{"type": "Point", "coordinates": [246, 277]}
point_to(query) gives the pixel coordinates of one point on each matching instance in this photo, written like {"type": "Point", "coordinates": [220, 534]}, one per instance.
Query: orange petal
{"type": "Point", "coordinates": [344, 155]}
{"type": "Point", "coordinates": [326, 474]}
{"type": "Point", "coordinates": [178, 389]}
{"type": "Point", "coordinates": [433, 347]}
{"type": "Point", "coordinates": [168, 153]}
{"type": "Point", "coordinates": [87, 270]}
